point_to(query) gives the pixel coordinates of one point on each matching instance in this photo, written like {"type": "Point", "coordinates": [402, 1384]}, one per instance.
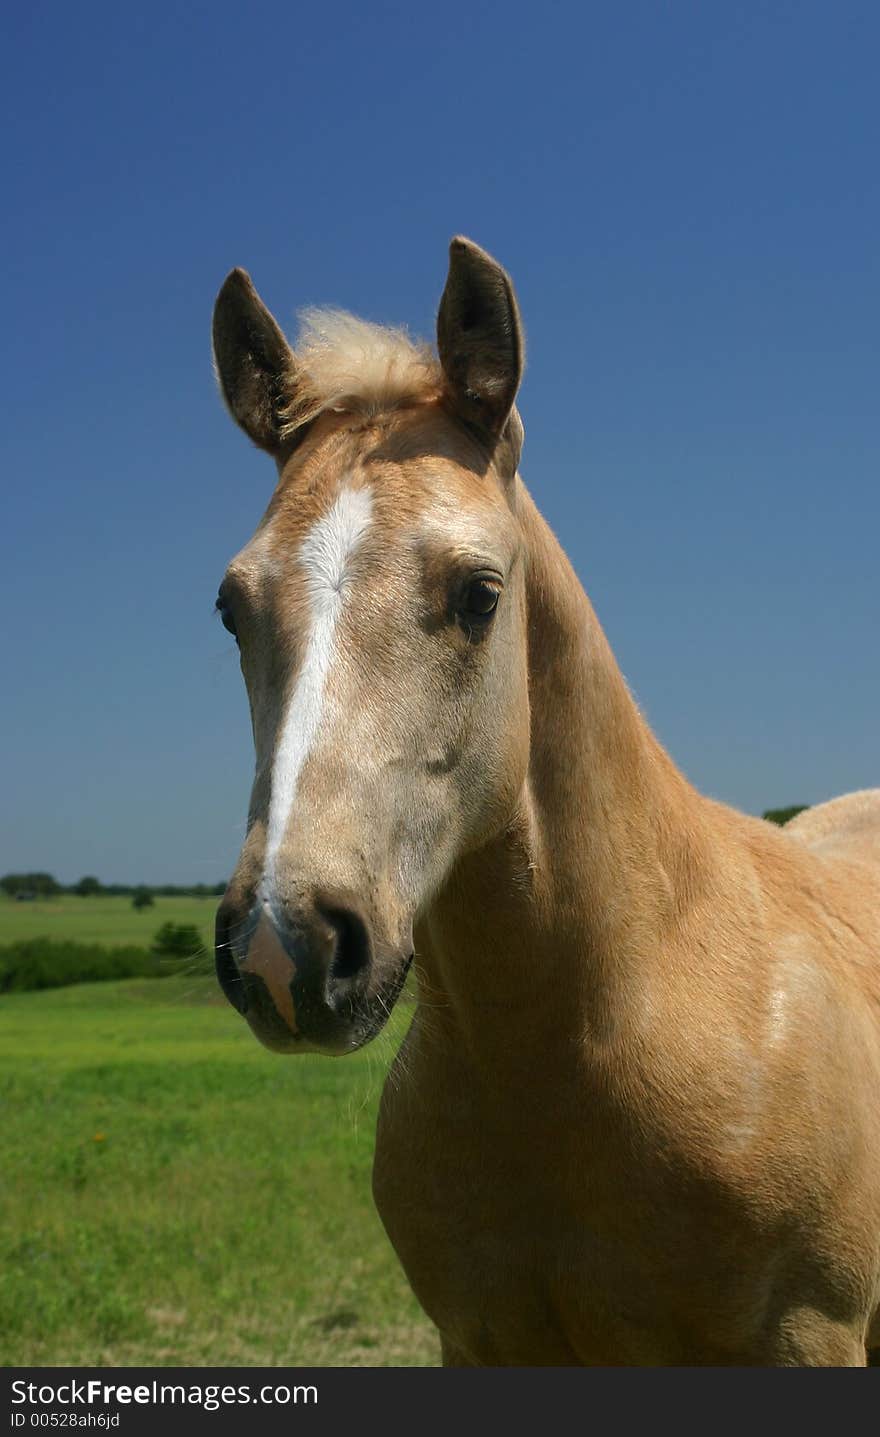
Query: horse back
{"type": "Point", "coordinates": [848, 827]}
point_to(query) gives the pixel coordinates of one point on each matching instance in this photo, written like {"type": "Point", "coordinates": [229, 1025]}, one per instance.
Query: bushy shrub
{"type": "Point", "coordinates": [178, 940]}
{"type": "Point", "coordinates": [45, 963]}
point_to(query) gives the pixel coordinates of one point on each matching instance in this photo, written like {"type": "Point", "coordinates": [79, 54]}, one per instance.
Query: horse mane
{"type": "Point", "coordinates": [345, 363]}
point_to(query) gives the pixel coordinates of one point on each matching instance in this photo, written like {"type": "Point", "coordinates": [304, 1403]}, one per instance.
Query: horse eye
{"type": "Point", "coordinates": [226, 618]}
{"type": "Point", "coordinates": [480, 599]}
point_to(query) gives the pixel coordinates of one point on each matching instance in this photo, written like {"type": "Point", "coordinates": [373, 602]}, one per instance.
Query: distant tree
{"type": "Point", "coordinates": [142, 898]}
{"type": "Point", "coordinates": [782, 815]}
{"type": "Point", "coordinates": [178, 940]}
{"type": "Point", "coordinates": [188, 890]}
{"type": "Point", "coordinates": [87, 887]}
{"type": "Point", "coordinates": [42, 885]}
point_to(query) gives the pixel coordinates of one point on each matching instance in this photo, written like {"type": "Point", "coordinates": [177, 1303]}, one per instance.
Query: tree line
{"type": "Point", "coordinates": [44, 885]}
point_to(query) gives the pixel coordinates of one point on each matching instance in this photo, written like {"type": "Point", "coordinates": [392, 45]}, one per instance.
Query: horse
{"type": "Point", "coordinates": [636, 1117]}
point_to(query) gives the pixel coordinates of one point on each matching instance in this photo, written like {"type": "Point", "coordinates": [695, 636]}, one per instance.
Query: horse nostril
{"type": "Point", "coordinates": [352, 955]}
{"type": "Point", "coordinates": [228, 976]}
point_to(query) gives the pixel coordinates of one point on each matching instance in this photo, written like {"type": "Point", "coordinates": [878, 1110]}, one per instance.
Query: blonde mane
{"type": "Point", "coordinates": [346, 363]}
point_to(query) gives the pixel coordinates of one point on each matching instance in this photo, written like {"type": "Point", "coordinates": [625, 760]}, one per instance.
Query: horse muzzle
{"type": "Point", "coordinates": [313, 980]}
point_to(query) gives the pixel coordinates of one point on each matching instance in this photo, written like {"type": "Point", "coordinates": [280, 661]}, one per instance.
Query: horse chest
{"type": "Point", "coordinates": [513, 1255]}
{"type": "Point", "coordinates": [471, 1255]}
{"type": "Point", "coordinates": [533, 1241]}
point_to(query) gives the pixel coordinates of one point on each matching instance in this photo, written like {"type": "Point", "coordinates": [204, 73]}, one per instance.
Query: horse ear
{"type": "Point", "coordinates": [254, 363]}
{"type": "Point", "coordinates": [480, 339]}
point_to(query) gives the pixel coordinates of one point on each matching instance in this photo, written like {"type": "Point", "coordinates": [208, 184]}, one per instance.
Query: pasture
{"type": "Point", "coordinates": [110, 921]}
{"type": "Point", "coordinates": [172, 1193]}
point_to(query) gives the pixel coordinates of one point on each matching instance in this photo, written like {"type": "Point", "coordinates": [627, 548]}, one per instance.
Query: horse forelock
{"type": "Point", "coordinates": [351, 364]}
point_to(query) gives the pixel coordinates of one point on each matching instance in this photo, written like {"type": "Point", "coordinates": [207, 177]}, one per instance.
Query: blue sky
{"type": "Point", "coordinates": [688, 198]}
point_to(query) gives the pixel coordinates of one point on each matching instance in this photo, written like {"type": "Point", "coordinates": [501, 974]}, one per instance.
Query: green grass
{"type": "Point", "coordinates": [111, 921]}
{"type": "Point", "coordinates": [171, 1193]}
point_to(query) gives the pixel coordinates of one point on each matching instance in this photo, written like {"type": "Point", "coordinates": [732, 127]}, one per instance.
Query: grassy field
{"type": "Point", "coordinates": [171, 1193]}
{"type": "Point", "coordinates": [110, 921]}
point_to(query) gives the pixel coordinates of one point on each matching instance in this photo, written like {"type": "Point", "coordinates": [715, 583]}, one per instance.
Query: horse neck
{"type": "Point", "coordinates": [552, 927]}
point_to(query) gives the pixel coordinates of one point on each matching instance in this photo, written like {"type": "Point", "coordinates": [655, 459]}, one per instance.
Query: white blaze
{"type": "Point", "coordinates": [324, 557]}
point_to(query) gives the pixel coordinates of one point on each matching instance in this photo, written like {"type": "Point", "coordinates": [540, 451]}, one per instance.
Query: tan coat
{"type": "Point", "coordinates": [636, 1119]}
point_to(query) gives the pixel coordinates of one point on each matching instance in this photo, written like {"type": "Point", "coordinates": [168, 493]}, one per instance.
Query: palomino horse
{"type": "Point", "coordinates": [636, 1119]}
